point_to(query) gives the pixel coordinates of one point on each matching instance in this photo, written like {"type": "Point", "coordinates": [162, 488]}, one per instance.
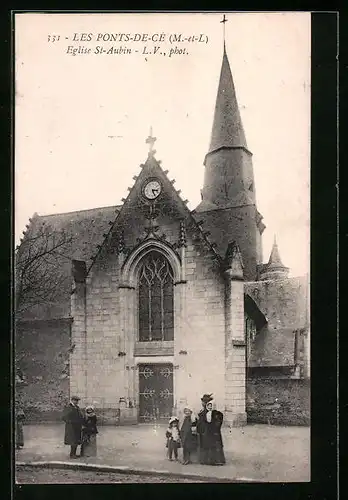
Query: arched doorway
{"type": "Point", "coordinates": [155, 292]}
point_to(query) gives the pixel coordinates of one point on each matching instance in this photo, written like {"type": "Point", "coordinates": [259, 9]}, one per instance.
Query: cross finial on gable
{"type": "Point", "coordinates": [224, 21]}
{"type": "Point", "coordinates": [151, 141]}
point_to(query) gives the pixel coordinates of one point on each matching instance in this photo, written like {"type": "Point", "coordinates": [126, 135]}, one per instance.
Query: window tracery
{"type": "Point", "coordinates": [156, 299]}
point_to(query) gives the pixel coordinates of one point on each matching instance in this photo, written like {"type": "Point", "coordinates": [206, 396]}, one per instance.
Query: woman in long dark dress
{"type": "Point", "coordinates": [202, 430]}
{"type": "Point", "coordinates": [214, 419]}
{"type": "Point", "coordinates": [89, 433]}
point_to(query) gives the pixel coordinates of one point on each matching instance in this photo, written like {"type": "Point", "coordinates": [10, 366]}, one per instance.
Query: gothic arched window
{"type": "Point", "coordinates": [156, 299]}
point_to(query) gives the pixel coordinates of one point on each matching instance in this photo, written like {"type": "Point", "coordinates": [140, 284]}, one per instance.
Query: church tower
{"type": "Point", "coordinates": [228, 205]}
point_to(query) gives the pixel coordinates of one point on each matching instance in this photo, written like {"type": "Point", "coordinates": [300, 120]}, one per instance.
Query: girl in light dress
{"type": "Point", "coordinates": [173, 438]}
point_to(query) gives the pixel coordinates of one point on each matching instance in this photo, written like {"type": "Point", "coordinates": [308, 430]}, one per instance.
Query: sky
{"type": "Point", "coordinates": [81, 120]}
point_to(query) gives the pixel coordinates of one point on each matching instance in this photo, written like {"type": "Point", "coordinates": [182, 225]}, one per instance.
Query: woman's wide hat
{"type": "Point", "coordinates": [206, 398]}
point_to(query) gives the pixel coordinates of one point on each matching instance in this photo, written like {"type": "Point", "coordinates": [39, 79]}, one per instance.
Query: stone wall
{"type": "Point", "coordinates": [235, 353]}
{"type": "Point", "coordinates": [285, 304]}
{"type": "Point", "coordinates": [293, 400]}
{"type": "Point", "coordinates": [42, 353]}
{"type": "Point", "coordinates": [97, 369]}
{"type": "Point", "coordinates": [202, 334]}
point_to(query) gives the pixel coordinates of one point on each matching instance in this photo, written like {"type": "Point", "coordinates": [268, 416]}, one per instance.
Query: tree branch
{"type": "Point", "coordinates": [39, 269]}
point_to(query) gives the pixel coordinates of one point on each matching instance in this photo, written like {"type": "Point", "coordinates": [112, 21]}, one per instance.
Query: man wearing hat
{"type": "Point", "coordinates": [73, 419]}
{"type": "Point", "coordinates": [202, 430]}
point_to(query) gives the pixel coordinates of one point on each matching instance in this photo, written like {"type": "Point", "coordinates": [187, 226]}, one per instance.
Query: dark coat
{"type": "Point", "coordinates": [188, 439]}
{"type": "Point", "coordinates": [214, 428]}
{"type": "Point", "coordinates": [215, 453]}
{"type": "Point", "coordinates": [210, 439]}
{"type": "Point", "coordinates": [89, 427]}
{"type": "Point", "coordinates": [202, 429]}
{"type": "Point", "coordinates": [74, 420]}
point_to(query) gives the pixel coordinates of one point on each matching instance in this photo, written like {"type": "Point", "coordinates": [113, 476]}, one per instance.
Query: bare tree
{"type": "Point", "coordinates": [41, 268]}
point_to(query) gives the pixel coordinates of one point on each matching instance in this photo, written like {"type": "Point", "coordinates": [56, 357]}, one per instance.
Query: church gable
{"type": "Point", "coordinates": [152, 209]}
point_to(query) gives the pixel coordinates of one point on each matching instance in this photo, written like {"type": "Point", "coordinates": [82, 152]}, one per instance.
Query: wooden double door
{"type": "Point", "coordinates": [155, 392]}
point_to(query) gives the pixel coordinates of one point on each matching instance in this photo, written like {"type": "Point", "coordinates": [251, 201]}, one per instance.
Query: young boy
{"type": "Point", "coordinates": [173, 438]}
{"type": "Point", "coordinates": [188, 435]}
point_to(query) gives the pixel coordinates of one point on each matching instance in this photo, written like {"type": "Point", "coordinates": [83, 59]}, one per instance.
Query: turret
{"type": "Point", "coordinates": [275, 268]}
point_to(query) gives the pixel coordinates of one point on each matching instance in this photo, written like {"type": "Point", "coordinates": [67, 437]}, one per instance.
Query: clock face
{"type": "Point", "coordinates": [152, 189]}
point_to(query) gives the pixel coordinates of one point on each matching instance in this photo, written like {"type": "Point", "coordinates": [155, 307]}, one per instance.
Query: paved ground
{"type": "Point", "coordinates": [255, 452]}
{"type": "Point", "coordinates": [31, 475]}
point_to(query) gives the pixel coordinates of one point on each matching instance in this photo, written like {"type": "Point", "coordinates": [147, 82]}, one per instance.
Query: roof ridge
{"type": "Point", "coordinates": [78, 211]}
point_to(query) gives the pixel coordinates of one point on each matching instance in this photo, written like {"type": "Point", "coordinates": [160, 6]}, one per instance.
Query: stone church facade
{"type": "Point", "coordinates": [166, 304]}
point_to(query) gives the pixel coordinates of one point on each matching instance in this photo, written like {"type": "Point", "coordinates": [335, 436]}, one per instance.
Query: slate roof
{"type": "Point", "coordinates": [284, 302]}
{"type": "Point", "coordinates": [85, 226]}
{"type": "Point", "coordinates": [216, 222]}
{"type": "Point", "coordinates": [273, 348]}
{"type": "Point", "coordinates": [227, 128]}
{"type": "Point", "coordinates": [274, 258]}
{"type": "Point", "coordinates": [86, 229]}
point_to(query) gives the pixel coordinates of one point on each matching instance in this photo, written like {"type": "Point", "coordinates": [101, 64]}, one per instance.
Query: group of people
{"type": "Point", "coordinates": [201, 434]}
{"type": "Point", "coordinates": [80, 429]}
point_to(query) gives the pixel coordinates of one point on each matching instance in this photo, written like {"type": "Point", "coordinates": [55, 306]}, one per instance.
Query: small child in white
{"type": "Point", "coordinates": [173, 438]}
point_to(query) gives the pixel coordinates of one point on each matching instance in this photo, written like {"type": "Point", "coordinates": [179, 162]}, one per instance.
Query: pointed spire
{"type": "Point", "coordinates": [227, 128]}
{"type": "Point", "coordinates": [274, 259]}
{"type": "Point", "coordinates": [275, 268]}
{"type": "Point", "coordinates": [229, 179]}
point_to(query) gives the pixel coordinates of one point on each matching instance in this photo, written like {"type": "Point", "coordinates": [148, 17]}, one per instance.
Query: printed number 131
{"type": "Point", "coordinates": [53, 38]}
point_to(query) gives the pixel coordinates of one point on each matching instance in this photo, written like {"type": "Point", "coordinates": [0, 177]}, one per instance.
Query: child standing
{"type": "Point", "coordinates": [89, 433]}
{"type": "Point", "coordinates": [188, 435]}
{"type": "Point", "coordinates": [173, 438]}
